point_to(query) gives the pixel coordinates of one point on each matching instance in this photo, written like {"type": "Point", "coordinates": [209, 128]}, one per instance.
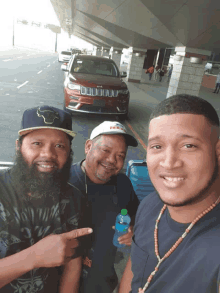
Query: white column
{"type": "Point", "coordinates": [97, 52]}
{"type": "Point", "coordinates": [105, 52]}
{"type": "Point", "coordinates": [188, 71]}
{"type": "Point", "coordinates": [116, 56]}
{"type": "Point", "coordinates": [135, 65]}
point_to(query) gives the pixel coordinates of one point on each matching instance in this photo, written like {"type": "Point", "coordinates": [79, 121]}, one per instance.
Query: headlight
{"type": "Point", "coordinates": [73, 86]}
{"type": "Point", "coordinates": [123, 92]}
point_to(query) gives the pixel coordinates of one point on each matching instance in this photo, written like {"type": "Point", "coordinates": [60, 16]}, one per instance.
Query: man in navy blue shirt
{"type": "Point", "coordinates": [107, 191]}
{"type": "Point", "coordinates": [176, 238]}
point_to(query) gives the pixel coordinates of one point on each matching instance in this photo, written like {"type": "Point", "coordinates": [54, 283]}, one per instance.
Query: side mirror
{"type": "Point", "coordinates": [64, 67]}
{"type": "Point", "coordinates": [123, 74]}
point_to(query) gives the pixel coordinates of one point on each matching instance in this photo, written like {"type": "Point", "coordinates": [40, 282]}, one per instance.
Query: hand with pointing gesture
{"type": "Point", "coordinates": [56, 250]}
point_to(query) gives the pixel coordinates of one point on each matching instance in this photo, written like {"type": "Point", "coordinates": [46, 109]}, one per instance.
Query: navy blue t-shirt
{"type": "Point", "coordinates": [106, 201]}
{"type": "Point", "coordinates": [25, 222]}
{"type": "Point", "coordinates": [192, 267]}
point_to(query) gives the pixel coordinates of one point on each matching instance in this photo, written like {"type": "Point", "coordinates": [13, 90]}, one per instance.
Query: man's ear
{"type": "Point", "coordinates": [17, 146]}
{"type": "Point", "coordinates": [88, 146]}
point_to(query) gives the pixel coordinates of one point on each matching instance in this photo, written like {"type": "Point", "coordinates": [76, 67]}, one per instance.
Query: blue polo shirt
{"type": "Point", "coordinates": [106, 202]}
{"type": "Point", "coordinates": [192, 267]}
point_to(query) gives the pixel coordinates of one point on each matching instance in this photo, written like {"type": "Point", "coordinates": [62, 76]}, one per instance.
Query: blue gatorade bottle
{"type": "Point", "coordinates": [121, 226]}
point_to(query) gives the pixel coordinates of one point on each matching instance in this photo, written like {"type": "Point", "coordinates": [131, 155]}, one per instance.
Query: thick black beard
{"type": "Point", "coordinates": [201, 194]}
{"type": "Point", "coordinates": [31, 183]}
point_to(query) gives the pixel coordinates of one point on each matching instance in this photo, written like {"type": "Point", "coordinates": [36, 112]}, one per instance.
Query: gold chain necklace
{"type": "Point", "coordinates": [177, 243]}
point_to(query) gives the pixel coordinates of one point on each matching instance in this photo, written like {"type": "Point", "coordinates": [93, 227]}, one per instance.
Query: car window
{"type": "Point", "coordinates": [99, 67]}
{"type": "Point", "coordinates": [66, 53]}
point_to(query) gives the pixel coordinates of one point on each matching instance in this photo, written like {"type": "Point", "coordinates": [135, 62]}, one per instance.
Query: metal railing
{"type": "Point", "coordinates": [5, 165]}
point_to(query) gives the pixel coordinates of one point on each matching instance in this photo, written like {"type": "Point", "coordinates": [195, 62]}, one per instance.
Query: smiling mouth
{"type": "Point", "coordinates": [108, 167]}
{"type": "Point", "coordinates": [172, 182]}
{"type": "Point", "coordinates": [174, 179]}
{"type": "Point", "coordinates": [46, 166]}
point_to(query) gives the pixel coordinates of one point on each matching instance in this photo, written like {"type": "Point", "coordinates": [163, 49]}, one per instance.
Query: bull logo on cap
{"type": "Point", "coordinates": [48, 115]}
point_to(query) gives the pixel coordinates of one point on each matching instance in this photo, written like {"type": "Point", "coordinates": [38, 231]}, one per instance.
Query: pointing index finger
{"type": "Point", "coordinates": [78, 233]}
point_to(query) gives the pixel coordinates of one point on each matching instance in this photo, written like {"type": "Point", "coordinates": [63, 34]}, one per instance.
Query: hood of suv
{"type": "Point", "coordinates": [90, 80]}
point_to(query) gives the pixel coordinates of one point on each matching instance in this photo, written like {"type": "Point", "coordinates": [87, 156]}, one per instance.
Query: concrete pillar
{"type": "Point", "coordinates": [188, 70]}
{"type": "Point", "coordinates": [105, 52]}
{"type": "Point", "coordinates": [97, 52]}
{"type": "Point", "coordinates": [135, 65]}
{"type": "Point", "coordinates": [157, 58]}
{"type": "Point", "coordinates": [116, 56]}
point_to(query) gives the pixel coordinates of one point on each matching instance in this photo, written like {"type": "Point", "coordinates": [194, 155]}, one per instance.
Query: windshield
{"type": "Point", "coordinates": [66, 53]}
{"type": "Point", "coordinates": [94, 67]}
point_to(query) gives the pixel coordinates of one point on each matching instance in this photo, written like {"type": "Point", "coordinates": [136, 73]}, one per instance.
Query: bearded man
{"type": "Point", "coordinates": [39, 210]}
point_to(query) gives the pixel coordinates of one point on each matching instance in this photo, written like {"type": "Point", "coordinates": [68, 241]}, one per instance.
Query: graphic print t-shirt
{"type": "Point", "coordinates": [25, 222]}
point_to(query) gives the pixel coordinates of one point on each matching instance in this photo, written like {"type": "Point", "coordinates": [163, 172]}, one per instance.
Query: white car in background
{"type": "Point", "coordinates": [64, 56]}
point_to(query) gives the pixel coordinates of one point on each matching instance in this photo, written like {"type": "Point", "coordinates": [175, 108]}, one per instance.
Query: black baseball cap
{"type": "Point", "coordinates": [46, 117]}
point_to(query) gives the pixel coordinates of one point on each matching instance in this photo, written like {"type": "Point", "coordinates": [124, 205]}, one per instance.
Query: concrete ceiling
{"type": "Point", "coordinates": [142, 24]}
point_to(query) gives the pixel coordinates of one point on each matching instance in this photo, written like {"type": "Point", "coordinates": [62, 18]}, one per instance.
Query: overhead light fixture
{"type": "Point", "coordinates": [195, 60]}
{"type": "Point", "coordinates": [68, 21]}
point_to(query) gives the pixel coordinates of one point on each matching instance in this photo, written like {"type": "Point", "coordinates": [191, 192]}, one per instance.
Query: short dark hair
{"type": "Point", "coordinates": [187, 104]}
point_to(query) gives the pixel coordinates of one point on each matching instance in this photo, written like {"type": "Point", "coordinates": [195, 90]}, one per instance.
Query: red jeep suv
{"type": "Point", "coordinates": [94, 85]}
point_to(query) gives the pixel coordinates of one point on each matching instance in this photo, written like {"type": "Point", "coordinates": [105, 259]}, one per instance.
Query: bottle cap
{"type": "Point", "coordinates": [124, 212]}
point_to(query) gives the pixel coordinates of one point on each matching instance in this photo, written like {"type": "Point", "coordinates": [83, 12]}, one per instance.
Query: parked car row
{"type": "Point", "coordinates": [64, 56]}
{"type": "Point", "coordinates": [94, 85]}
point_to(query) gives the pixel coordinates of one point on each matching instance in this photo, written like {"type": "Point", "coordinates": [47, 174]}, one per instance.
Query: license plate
{"type": "Point", "coordinates": [100, 103]}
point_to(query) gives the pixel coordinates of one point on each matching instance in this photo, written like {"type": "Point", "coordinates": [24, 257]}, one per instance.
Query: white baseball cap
{"type": "Point", "coordinates": [113, 127]}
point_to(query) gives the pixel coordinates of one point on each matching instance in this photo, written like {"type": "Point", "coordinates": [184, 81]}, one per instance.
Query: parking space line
{"type": "Point", "coordinates": [136, 135]}
{"type": "Point", "coordinates": [19, 57]}
{"type": "Point", "coordinates": [22, 84]}
{"type": "Point", "coordinates": [6, 60]}
{"type": "Point", "coordinates": [48, 65]}
{"type": "Point", "coordinates": [39, 71]}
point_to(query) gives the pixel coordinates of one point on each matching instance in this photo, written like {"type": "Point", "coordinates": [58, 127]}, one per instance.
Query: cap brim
{"type": "Point", "coordinates": [28, 130]}
{"type": "Point", "coordinates": [130, 140]}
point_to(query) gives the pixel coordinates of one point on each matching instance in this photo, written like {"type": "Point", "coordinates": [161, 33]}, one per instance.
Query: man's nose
{"type": "Point", "coordinates": [111, 158]}
{"type": "Point", "coordinates": [48, 151]}
{"type": "Point", "coordinates": [170, 159]}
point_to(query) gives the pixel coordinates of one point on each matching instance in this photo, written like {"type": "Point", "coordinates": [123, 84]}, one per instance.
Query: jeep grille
{"type": "Point", "coordinates": [92, 91]}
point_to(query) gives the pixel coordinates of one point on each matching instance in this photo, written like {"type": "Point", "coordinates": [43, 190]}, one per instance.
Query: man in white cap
{"type": "Point", "coordinates": [107, 191]}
